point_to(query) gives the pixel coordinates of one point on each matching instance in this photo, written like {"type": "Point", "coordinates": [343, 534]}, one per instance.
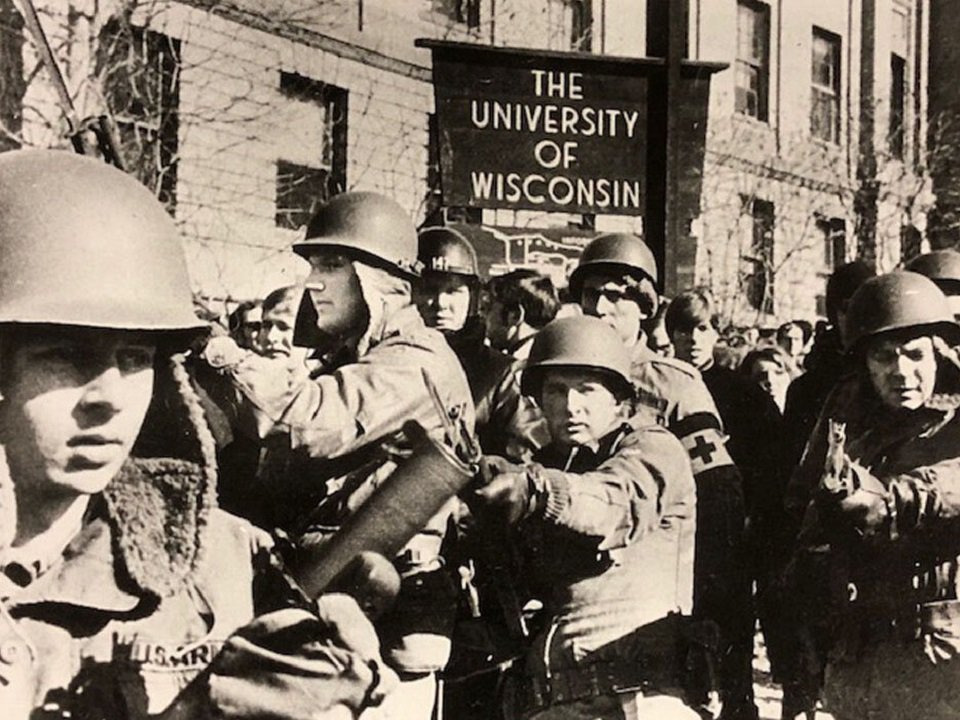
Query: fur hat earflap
{"type": "Point", "coordinates": [161, 500]}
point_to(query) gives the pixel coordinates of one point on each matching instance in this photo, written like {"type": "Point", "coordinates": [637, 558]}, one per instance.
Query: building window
{"type": "Point", "coordinates": [825, 79]}
{"type": "Point", "coordinates": [581, 25]}
{"type": "Point", "coordinates": [834, 242]}
{"type": "Point", "coordinates": [13, 84]}
{"type": "Point", "coordinates": [466, 12]}
{"type": "Point", "coordinates": [313, 154]}
{"type": "Point", "coordinates": [141, 80]}
{"type": "Point", "coordinates": [898, 106]}
{"type": "Point", "coordinates": [753, 59]}
{"type": "Point", "coordinates": [758, 269]}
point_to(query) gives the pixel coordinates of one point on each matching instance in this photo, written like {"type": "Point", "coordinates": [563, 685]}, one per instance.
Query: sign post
{"type": "Point", "coordinates": [523, 129]}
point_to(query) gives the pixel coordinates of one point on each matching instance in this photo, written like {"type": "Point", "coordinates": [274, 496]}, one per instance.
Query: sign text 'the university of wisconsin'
{"type": "Point", "coordinates": [540, 131]}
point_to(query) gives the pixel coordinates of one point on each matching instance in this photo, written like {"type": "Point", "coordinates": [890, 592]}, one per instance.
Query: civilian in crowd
{"type": "Point", "coordinates": [770, 368]}
{"type": "Point", "coordinates": [244, 324]}
{"type": "Point", "coordinates": [518, 305]}
{"type": "Point", "coordinates": [793, 341]}
{"type": "Point", "coordinates": [749, 415]}
{"type": "Point", "coordinates": [279, 313]}
{"type": "Point", "coordinates": [825, 363]}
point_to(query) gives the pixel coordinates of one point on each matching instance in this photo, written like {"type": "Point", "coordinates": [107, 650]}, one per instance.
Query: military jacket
{"type": "Point", "coordinates": [612, 552]}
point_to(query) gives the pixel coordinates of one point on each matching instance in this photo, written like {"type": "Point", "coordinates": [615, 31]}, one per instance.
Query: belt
{"type": "Point", "coordinates": [594, 679]}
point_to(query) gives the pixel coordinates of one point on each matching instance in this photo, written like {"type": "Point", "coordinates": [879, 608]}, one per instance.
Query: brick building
{"type": "Point", "coordinates": [242, 114]}
{"type": "Point", "coordinates": [816, 147]}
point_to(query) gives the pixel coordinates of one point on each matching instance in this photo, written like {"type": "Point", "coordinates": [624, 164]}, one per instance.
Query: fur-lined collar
{"type": "Point", "coordinates": [157, 507]}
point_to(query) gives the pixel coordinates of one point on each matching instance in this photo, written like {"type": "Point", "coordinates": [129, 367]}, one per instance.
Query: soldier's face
{"type": "Point", "coordinates": [608, 300]}
{"type": "Point", "coordinates": [73, 403]}
{"type": "Point", "coordinates": [902, 371]}
{"type": "Point", "coordinates": [443, 300]}
{"type": "Point", "coordinates": [579, 406]}
{"type": "Point", "coordinates": [335, 299]}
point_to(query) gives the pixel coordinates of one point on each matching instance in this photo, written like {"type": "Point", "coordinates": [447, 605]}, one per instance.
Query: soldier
{"type": "Point", "coordinates": [447, 295]}
{"type": "Point", "coordinates": [615, 280]}
{"type": "Point", "coordinates": [331, 439]}
{"type": "Point", "coordinates": [943, 267]}
{"type": "Point", "coordinates": [605, 515]}
{"type": "Point", "coordinates": [876, 560]}
{"type": "Point", "coordinates": [124, 591]}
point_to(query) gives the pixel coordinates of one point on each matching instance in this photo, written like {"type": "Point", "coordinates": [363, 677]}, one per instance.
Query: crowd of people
{"type": "Point", "coordinates": [635, 489]}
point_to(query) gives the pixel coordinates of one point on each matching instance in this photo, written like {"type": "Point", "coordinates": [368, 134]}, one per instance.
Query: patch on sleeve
{"type": "Point", "coordinates": [707, 450]}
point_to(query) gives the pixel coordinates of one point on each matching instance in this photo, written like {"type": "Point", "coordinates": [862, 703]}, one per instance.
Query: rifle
{"type": "Point", "coordinates": [79, 130]}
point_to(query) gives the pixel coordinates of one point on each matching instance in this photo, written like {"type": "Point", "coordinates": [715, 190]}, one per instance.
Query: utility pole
{"type": "Point", "coordinates": [665, 225]}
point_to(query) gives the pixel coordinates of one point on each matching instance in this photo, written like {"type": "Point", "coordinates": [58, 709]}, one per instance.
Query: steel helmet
{"type": "Point", "coordinates": [896, 301]}
{"type": "Point", "coordinates": [369, 226]}
{"type": "Point", "coordinates": [82, 243]}
{"type": "Point", "coordinates": [445, 250]}
{"type": "Point", "coordinates": [617, 252]}
{"type": "Point", "coordinates": [577, 342]}
{"type": "Point", "coordinates": [941, 266]}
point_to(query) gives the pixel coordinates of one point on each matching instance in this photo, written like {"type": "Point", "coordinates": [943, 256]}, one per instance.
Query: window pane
{"type": "Point", "coordinates": [825, 78]}
{"type": "Point", "coordinates": [751, 71]}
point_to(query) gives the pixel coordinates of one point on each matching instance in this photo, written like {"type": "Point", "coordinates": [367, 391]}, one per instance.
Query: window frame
{"type": "Point", "coordinates": [826, 95]}
{"type": "Point", "coordinates": [760, 282]}
{"type": "Point", "coordinates": [897, 129]}
{"type": "Point", "coordinates": [760, 18]}
{"type": "Point", "coordinates": [462, 12]}
{"type": "Point", "coordinates": [318, 181]}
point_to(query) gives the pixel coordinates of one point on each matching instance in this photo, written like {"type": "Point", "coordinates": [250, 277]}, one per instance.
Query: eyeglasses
{"type": "Point", "coordinates": [612, 295]}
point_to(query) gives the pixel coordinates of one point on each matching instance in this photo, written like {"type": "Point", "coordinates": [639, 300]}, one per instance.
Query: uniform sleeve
{"type": "Point", "coordinates": [361, 402]}
{"type": "Point", "coordinates": [623, 498]}
{"type": "Point", "coordinates": [913, 501]}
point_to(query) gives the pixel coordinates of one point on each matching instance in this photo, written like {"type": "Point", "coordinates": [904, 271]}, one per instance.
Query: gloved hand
{"type": "Point", "coordinates": [290, 664]}
{"type": "Point", "coordinates": [269, 386]}
{"type": "Point", "coordinates": [865, 510]}
{"type": "Point", "coordinates": [864, 506]}
{"type": "Point", "coordinates": [506, 496]}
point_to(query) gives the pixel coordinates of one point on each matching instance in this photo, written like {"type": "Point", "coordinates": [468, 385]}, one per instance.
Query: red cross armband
{"type": "Point", "coordinates": [704, 441]}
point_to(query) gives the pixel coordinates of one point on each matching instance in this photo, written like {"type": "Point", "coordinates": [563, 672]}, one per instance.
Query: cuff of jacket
{"type": "Point", "coordinates": [551, 493]}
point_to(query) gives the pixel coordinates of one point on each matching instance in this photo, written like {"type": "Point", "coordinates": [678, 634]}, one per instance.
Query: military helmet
{"type": "Point", "coordinates": [941, 266]}
{"type": "Point", "coordinates": [623, 252]}
{"type": "Point", "coordinates": [577, 342]}
{"type": "Point", "coordinates": [369, 226]}
{"type": "Point", "coordinates": [445, 250]}
{"type": "Point", "coordinates": [82, 243]}
{"type": "Point", "coordinates": [898, 301]}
